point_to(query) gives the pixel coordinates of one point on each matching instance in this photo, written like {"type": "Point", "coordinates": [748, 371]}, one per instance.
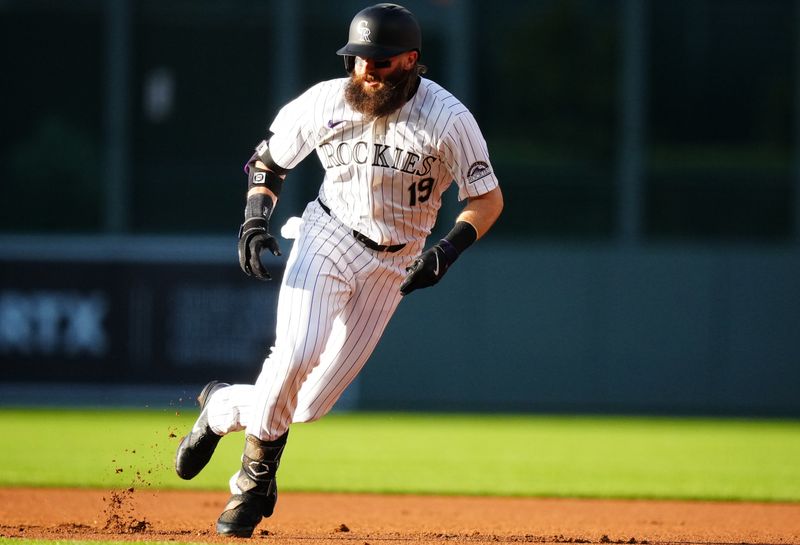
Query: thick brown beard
{"type": "Point", "coordinates": [395, 93]}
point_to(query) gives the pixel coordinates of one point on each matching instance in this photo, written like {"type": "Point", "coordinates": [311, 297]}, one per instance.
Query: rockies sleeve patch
{"type": "Point", "coordinates": [477, 170]}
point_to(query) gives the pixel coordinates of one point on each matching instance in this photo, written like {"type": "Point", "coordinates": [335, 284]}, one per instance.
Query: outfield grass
{"type": "Point", "coordinates": [608, 457]}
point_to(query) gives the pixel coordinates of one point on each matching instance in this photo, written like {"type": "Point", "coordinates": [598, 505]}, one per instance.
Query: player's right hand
{"type": "Point", "coordinates": [253, 238]}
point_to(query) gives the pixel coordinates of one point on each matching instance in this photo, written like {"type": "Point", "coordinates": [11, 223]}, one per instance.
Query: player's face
{"type": "Point", "coordinates": [378, 87]}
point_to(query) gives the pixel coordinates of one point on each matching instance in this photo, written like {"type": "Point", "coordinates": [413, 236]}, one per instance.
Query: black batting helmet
{"type": "Point", "coordinates": [381, 31]}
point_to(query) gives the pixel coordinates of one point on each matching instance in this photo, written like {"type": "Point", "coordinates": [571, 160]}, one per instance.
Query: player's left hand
{"type": "Point", "coordinates": [427, 269]}
{"type": "Point", "coordinates": [253, 238]}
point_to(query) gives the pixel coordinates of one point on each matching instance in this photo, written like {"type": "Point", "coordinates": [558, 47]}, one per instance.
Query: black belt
{"type": "Point", "coordinates": [371, 244]}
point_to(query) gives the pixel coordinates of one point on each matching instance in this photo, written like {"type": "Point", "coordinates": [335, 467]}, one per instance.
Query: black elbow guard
{"type": "Point", "coordinates": [262, 154]}
{"type": "Point", "coordinates": [272, 178]}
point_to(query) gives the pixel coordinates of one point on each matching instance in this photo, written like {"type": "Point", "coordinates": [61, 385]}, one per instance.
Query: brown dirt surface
{"type": "Point", "coordinates": [345, 519]}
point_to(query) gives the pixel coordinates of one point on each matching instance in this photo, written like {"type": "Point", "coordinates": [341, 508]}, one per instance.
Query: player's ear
{"type": "Point", "coordinates": [410, 59]}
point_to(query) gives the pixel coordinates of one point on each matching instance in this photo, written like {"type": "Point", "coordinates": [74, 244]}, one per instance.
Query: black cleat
{"type": "Point", "coordinates": [242, 514]}
{"type": "Point", "coordinates": [196, 448]}
{"type": "Point", "coordinates": [258, 488]}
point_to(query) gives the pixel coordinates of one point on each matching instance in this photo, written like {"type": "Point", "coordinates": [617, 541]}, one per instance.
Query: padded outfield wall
{"type": "Point", "coordinates": [673, 330]}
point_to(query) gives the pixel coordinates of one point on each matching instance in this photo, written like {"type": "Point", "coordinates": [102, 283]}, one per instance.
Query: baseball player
{"type": "Point", "coordinates": [390, 142]}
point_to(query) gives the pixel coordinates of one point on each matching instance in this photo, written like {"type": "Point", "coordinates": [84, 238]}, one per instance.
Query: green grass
{"type": "Point", "coordinates": [608, 457]}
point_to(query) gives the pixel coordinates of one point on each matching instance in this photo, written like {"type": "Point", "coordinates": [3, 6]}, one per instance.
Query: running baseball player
{"type": "Point", "coordinates": [390, 142]}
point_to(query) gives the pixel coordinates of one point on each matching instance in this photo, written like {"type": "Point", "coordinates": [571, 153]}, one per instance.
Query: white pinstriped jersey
{"type": "Point", "coordinates": [385, 177]}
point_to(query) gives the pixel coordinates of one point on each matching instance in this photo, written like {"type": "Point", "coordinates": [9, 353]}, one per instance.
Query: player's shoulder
{"type": "Point", "coordinates": [442, 109]}
{"type": "Point", "coordinates": [440, 96]}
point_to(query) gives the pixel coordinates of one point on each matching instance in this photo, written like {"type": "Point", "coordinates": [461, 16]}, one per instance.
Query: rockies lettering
{"type": "Point", "coordinates": [378, 155]}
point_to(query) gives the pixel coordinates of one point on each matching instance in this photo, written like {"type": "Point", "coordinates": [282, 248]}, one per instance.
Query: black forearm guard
{"type": "Point", "coordinates": [259, 205]}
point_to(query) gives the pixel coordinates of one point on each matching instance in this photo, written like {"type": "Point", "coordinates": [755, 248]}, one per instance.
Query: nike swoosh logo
{"type": "Point", "coordinates": [332, 123]}
{"type": "Point", "coordinates": [436, 269]}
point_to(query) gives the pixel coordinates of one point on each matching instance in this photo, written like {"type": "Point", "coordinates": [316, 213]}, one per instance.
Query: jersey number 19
{"type": "Point", "coordinates": [420, 191]}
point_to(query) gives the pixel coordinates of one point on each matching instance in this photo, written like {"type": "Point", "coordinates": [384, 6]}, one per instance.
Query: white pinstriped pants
{"type": "Point", "coordinates": [335, 301]}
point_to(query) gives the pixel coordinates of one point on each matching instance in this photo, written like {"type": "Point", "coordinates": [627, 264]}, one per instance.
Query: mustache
{"type": "Point", "coordinates": [371, 78]}
{"type": "Point", "coordinates": [391, 80]}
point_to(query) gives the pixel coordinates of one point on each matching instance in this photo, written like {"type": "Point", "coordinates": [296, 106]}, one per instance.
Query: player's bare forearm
{"type": "Point", "coordinates": [263, 191]}
{"type": "Point", "coordinates": [481, 212]}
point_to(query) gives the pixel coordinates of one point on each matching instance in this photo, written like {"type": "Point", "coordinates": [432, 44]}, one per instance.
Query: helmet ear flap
{"type": "Point", "coordinates": [349, 63]}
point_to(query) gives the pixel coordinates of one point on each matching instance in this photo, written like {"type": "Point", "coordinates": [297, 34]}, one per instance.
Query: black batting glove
{"type": "Point", "coordinates": [254, 237]}
{"type": "Point", "coordinates": [429, 267]}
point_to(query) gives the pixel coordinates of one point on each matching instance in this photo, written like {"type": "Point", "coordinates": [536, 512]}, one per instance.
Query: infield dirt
{"type": "Point", "coordinates": [325, 519]}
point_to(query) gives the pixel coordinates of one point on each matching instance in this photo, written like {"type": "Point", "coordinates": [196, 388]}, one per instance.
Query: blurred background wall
{"type": "Point", "coordinates": [647, 261]}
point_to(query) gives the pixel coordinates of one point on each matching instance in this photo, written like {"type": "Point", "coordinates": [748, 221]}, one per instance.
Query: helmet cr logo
{"type": "Point", "coordinates": [363, 29]}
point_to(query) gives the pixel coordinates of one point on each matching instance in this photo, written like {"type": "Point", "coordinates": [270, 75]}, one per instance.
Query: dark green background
{"type": "Point", "coordinates": [720, 95]}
